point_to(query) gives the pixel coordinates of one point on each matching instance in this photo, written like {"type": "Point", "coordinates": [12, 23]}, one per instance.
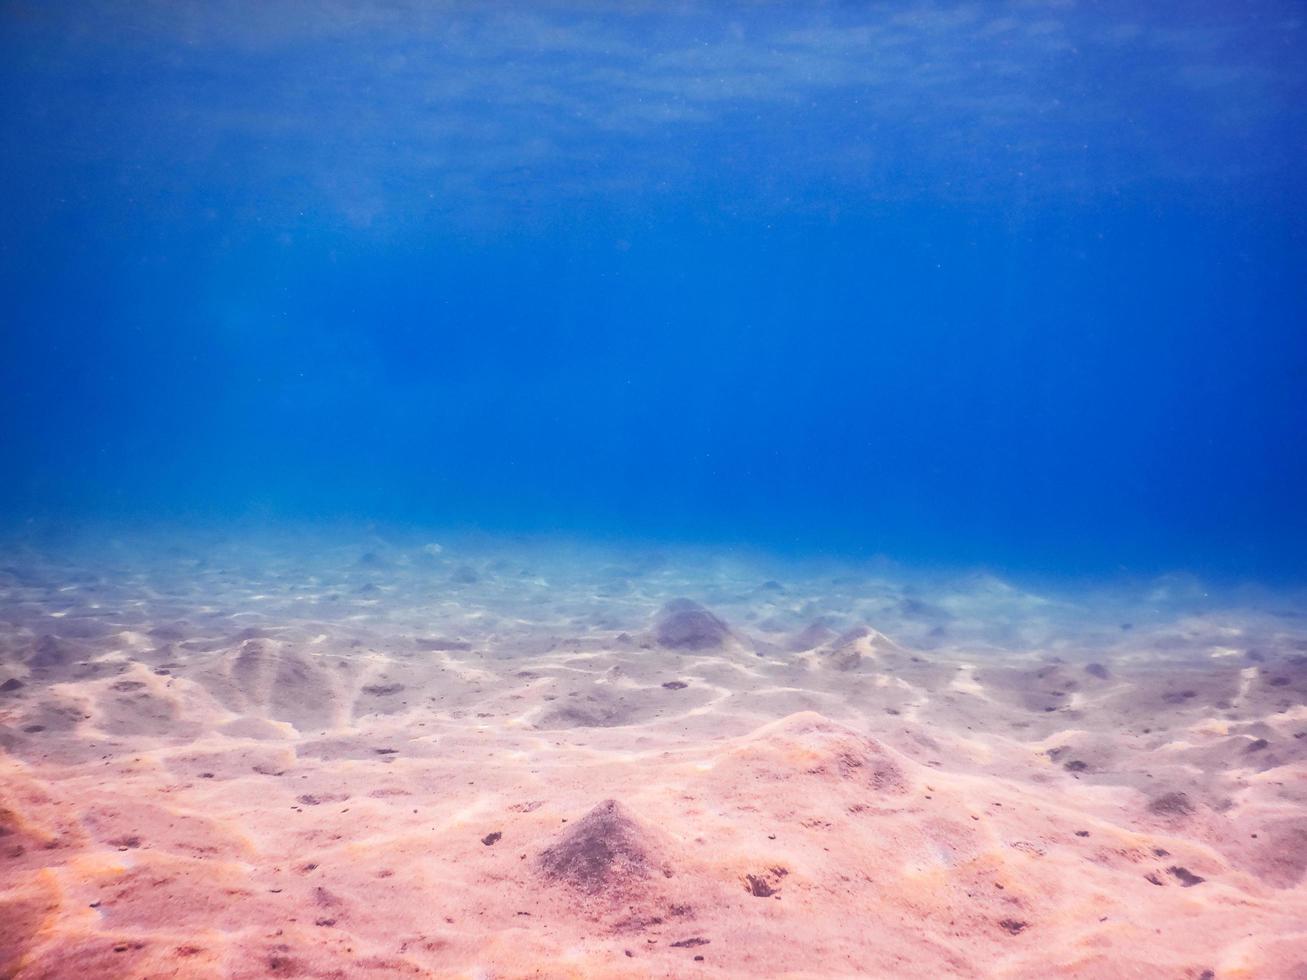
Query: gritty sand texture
{"type": "Point", "coordinates": [366, 757]}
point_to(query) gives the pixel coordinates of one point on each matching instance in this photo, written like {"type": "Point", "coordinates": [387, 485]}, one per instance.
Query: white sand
{"type": "Point", "coordinates": [241, 758]}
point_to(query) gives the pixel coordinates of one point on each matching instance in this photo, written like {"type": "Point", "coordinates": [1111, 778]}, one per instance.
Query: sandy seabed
{"type": "Point", "coordinates": [360, 756]}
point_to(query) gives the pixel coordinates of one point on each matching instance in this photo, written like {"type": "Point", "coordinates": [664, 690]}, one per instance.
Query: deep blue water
{"type": "Point", "coordinates": [1015, 283]}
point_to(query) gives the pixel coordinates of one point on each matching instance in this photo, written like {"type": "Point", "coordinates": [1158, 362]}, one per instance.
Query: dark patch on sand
{"type": "Point", "coordinates": [382, 690]}
{"type": "Point", "coordinates": [440, 643]}
{"type": "Point", "coordinates": [1186, 877]}
{"type": "Point", "coordinates": [758, 886]}
{"type": "Point", "coordinates": [866, 764]}
{"type": "Point", "coordinates": [1175, 805]}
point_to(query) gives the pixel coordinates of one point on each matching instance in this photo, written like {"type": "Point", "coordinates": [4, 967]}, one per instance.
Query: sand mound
{"type": "Point", "coordinates": [683, 624]}
{"type": "Point", "coordinates": [607, 853]}
{"type": "Point", "coordinates": [854, 649]}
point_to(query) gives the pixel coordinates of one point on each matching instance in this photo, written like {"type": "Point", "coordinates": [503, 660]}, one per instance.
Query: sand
{"type": "Point", "coordinates": [366, 756]}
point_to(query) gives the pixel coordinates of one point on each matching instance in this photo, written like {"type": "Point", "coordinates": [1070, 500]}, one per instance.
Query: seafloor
{"type": "Point", "coordinates": [364, 756]}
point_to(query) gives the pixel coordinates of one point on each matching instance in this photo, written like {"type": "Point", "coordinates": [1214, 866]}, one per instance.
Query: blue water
{"type": "Point", "coordinates": [1018, 284]}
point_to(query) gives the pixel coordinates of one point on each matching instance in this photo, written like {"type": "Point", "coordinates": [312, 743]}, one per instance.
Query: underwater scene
{"type": "Point", "coordinates": [578, 489]}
